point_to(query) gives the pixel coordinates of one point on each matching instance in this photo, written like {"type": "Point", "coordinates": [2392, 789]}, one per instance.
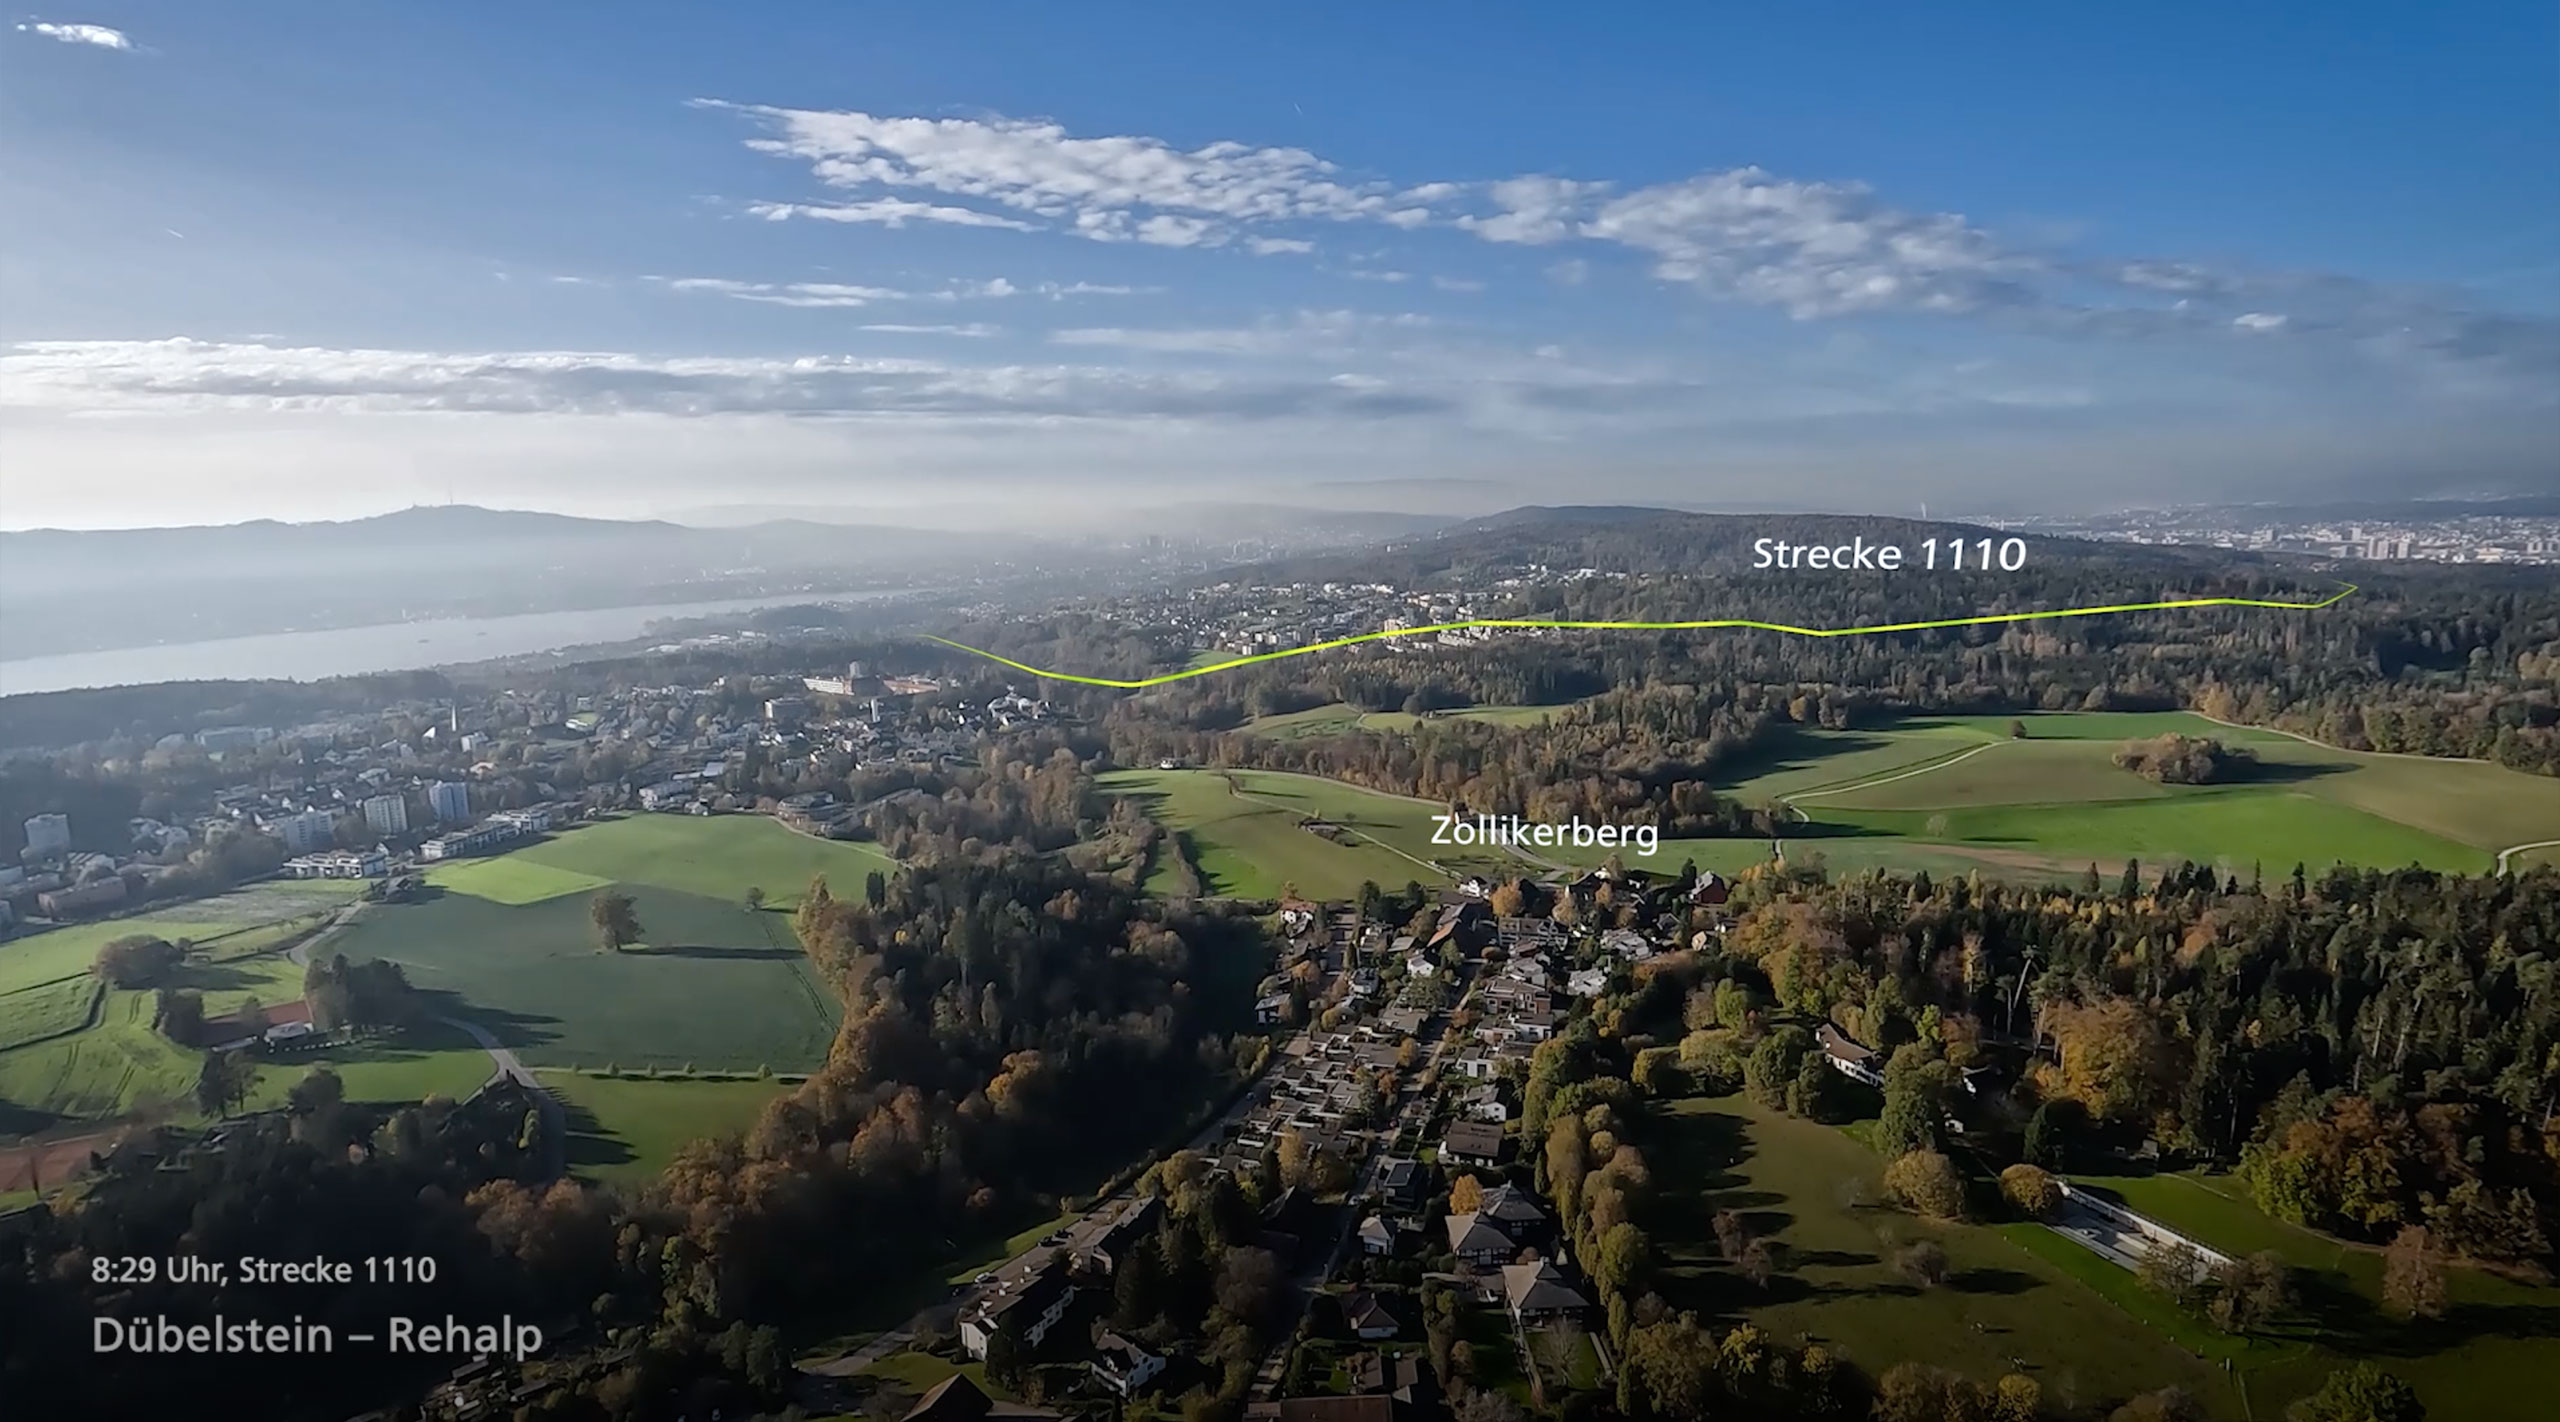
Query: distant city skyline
{"type": "Point", "coordinates": [277, 262]}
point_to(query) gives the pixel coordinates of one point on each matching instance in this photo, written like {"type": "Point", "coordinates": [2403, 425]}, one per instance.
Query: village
{"type": "Point", "coordinates": [1379, 1154]}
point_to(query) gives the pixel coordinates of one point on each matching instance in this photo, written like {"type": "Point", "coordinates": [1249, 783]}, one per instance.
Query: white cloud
{"type": "Point", "coordinates": [96, 35]}
{"type": "Point", "coordinates": [887, 212]}
{"type": "Point", "coordinates": [971, 329]}
{"type": "Point", "coordinates": [1165, 230]}
{"type": "Point", "coordinates": [1307, 333]}
{"type": "Point", "coordinates": [2258, 321]}
{"type": "Point", "coordinates": [1536, 210]}
{"type": "Point", "coordinates": [181, 376]}
{"type": "Point", "coordinates": [819, 294]}
{"type": "Point", "coordinates": [1813, 249]}
{"type": "Point", "coordinates": [1120, 187]}
{"type": "Point", "coordinates": [1055, 291]}
{"type": "Point", "coordinates": [1370, 274]}
{"type": "Point", "coordinates": [1449, 283]}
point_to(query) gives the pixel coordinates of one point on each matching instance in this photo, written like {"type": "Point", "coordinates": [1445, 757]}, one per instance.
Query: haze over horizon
{"type": "Point", "coordinates": [302, 262]}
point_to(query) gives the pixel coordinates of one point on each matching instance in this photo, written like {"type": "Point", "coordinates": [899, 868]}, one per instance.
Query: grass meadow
{"type": "Point", "coordinates": [1242, 828]}
{"type": "Point", "coordinates": [1957, 793]}
{"type": "Point", "coordinates": [1810, 1187]}
{"type": "Point", "coordinates": [624, 1130]}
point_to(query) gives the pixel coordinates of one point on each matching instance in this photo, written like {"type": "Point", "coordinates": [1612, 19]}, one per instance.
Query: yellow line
{"type": "Point", "coordinates": [1984, 620]}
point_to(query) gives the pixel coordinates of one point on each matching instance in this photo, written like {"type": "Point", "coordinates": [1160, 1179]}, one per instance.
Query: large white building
{"type": "Point", "coordinates": [451, 800]}
{"type": "Point", "coordinates": [387, 814]}
{"type": "Point", "coordinates": [48, 835]}
{"type": "Point", "coordinates": [307, 833]}
{"type": "Point", "coordinates": [339, 864]}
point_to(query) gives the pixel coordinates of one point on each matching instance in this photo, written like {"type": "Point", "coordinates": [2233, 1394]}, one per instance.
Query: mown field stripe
{"type": "Point", "coordinates": [1987, 619]}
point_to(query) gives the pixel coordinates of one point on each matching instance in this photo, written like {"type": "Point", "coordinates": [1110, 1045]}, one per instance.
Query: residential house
{"type": "Point", "coordinates": [1848, 1057]}
{"type": "Point", "coordinates": [1407, 1379]}
{"type": "Point", "coordinates": [1027, 1310]}
{"type": "Point", "coordinates": [1539, 1291]}
{"type": "Point", "coordinates": [1477, 1241]}
{"type": "Point", "coordinates": [1122, 1365]}
{"type": "Point", "coordinates": [1534, 1026]}
{"type": "Point", "coordinates": [1472, 1143]}
{"type": "Point", "coordinates": [1400, 1181]}
{"type": "Point", "coordinates": [1513, 1211]}
{"type": "Point", "coordinates": [1467, 924]}
{"type": "Point", "coordinates": [1378, 1237]}
{"type": "Point", "coordinates": [956, 1399]}
{"type": "Point", "coordinates": [666, 795]}
{"type": "Point", "coordinates": [1366, 1317]}
{"type": "Point", "coordinates": [1626, 943]}
{"type": "Point", "coordinates": [1135, 1223]}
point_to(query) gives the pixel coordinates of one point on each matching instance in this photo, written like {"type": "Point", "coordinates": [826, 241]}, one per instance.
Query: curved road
{"type": "Point", "coordinates": [2515, 849]}
{"type": "Point", "coordinates": [504, 1063]}
{"type": "Point", "coordinates": [555, 1125]}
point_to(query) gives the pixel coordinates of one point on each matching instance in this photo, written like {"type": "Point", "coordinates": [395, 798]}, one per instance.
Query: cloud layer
{"type": "Point", "coordinates": [96, 35]}
{"type": "Point", "coordinates": [1813, 250]}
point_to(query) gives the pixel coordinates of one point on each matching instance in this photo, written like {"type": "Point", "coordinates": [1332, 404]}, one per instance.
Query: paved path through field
{"type": "Point", "coordinates": [2515, 849]}
{"type": "Point", "coordinates": [555, 1125]}
{"type": "Point", "coordinates": [2342, 750]}
{"type": "Point", "coordinates": [555, 1129]}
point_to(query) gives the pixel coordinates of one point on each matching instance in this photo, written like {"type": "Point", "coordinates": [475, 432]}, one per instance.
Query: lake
{"type": "Point", "coordinates": [395, 646]}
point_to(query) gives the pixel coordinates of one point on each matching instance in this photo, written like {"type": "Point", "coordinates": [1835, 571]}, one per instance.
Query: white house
{"type": "Point", "coordinates": [1123, 1366]}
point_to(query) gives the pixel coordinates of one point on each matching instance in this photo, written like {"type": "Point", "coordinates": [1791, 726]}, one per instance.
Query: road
{"type": "Point", "coordinates": [2515, 849]}
{"type": "Point", "coordinates": [1413, 1111]}
{"type": "Point", "coordinates": [555, 1124]}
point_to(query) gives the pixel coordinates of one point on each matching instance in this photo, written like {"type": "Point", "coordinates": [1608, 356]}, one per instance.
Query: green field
{"type": "Point", "coordinates": [116, 1066]}
{"type": "Point", "coordinates": [1792, 1179]}
{"type": "Point", "coordinates": [221, 924]}
{"type": "Point", "coordinates": [1957, 793]}
{"type": "Point", "coordinates": [1248, 842]}
{"type": "Point", "coordinates": [119, 1063]}
{"type": "Point", "coordinates": [34, 1014]}
{"type": "Point", "coordinates": [626, 1130]}
{"type": "Point", "coordinates": [714, 858]}
{"type": "Point", "coordinates": [2488, 1358]}
{"type": "Point", "coordinates": [430, 1059]}
{"type": "Point", "coordinates": [506, 942]}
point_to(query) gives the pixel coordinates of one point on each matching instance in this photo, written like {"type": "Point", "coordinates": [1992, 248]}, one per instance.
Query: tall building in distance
{"type": "Point", "coordinates": [451, 800]}
{"type": "Point", "coordinates": [48, 835]}
{"type": "Point", "coordinates": [307, 833]}
{"type": "Point", "coordinates": [387, 814]}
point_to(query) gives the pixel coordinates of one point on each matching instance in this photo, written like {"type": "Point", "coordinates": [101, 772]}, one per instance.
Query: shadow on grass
{"type": "Point", "coordinates": [2282, 772]}
{"type": "Point", "coordinates": [517, 1031]}
{"type": "Point", "coordinates": [1834, 1259]}
{"type": "Point", "coordinates": [715, 954]}
{"type": "Point", "coordinates": [2351, 1323]}
{"type": "Point", "coordinates": [590, 1145]}
{"type": "Point", "coordinates": [1992, 1281]}
{"type": "Point", "coordinates": [17, 1120]}
{"type": "Point", "coordinates": [207, 976]}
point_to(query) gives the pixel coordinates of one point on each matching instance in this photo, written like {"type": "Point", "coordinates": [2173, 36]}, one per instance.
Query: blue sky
{"type": "Point", "coordinates": [326, 259]}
